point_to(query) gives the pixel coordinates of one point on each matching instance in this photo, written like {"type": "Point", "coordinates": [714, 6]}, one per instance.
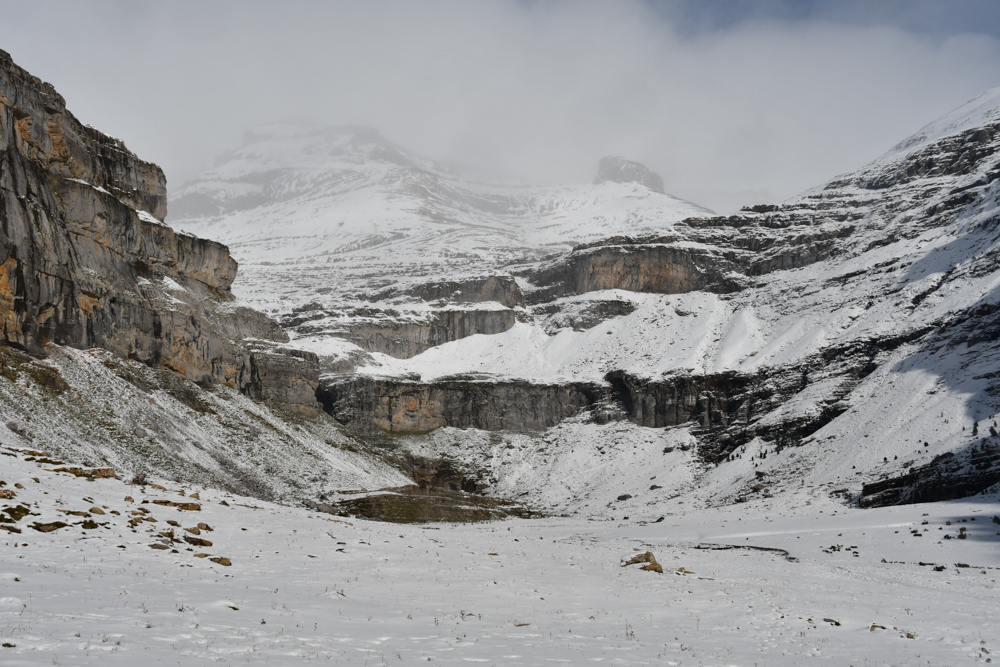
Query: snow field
{"type": "Point", "coordinates": [307, 587]}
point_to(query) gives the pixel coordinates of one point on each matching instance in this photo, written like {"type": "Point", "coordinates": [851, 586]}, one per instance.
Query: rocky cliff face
{"type": "Point", "coordinates": [86, 261]}
{"type": "Point", "coordinates": [715, 254]}
{"type": "Point", "coordinates": [947, 477]}
{"type": "Point", "coordinates": [658, 265]}
{"type": "Point", "coordinates": [399, 333]}
{"type": "Point", "coordinates": [725, 410]}
{"type": "Point", "coordinates": [406, 406]}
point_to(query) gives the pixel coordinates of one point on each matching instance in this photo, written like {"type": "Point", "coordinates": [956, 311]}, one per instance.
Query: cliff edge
{"type": "Point", "coordinates": [86, 261]}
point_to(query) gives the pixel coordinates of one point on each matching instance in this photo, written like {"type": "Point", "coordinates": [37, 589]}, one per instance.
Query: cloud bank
{"type": "Point", "coordinates": [746, 112]}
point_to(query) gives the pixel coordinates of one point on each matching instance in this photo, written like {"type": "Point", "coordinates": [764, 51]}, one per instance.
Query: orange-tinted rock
{"type": "Point", "coordinates": [86, 261]}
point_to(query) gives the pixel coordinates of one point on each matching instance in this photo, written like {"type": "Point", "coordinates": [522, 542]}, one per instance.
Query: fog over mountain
{"type": "Point", "coordinates": [731, 103]}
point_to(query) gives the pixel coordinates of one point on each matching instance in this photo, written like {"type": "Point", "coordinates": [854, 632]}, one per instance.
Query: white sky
{"type": "Point", "coordinates": [752, 111]}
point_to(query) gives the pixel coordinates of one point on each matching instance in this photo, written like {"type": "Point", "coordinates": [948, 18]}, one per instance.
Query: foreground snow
{"type": "Point", "coordinates": [855, 587]}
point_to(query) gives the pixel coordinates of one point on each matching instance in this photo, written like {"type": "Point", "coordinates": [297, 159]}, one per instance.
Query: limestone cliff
{"type": "Point", "coordinates": [407, 406]}
{"type": "Point", "coordinates": [398, 333]}
{"type": "Point", "coordinates": [86, 261]}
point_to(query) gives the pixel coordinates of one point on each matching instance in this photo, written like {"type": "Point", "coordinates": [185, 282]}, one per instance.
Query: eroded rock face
{"type": "Point", "coordinates": [404, 406]}
{"type": "Point", "coordinates": [658, 267]}
{"type": "Point", "coordinates": [620, 170]}
{"type": "Point", "coordinates": [400, 334]}
{"type": "Point", "coordinates": [283, 377]}
{"type": "Point", "coordinates": [501, 289]}
{"type": "Point", "coordinates": [85, 260]}
{"type": "Point", "coordinates": [719, 254]}
{"type": "Point", "coordinates": [36, 123]}
{"type": "Point", "coordinates": [723, 410]}
{"type": "Point", "coordinates": [722, 407]}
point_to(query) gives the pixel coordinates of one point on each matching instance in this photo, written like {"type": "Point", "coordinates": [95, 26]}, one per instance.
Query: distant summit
{"type": "Point", "coordinates": [620, 170]}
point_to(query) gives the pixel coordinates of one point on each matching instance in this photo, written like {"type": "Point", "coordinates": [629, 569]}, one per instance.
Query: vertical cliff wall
{"type": "Point", "coordinates": [86, 261]}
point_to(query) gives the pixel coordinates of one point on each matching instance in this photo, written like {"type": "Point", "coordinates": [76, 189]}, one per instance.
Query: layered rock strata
{"type": "Point", "coordinates": [721, 255]}
{"type": "Point", "coordinates": [406, 406]}
{"type": "Point", "coordinates": [86, 261]}
{"type": "Point", "coordinates": [725, 411]}
{"type": "Point", "coordinates": [398, 333]}
{"type": "Point", "coordinates": [657, 266]}
{"type": "Point", "coordinates": [947, 477]}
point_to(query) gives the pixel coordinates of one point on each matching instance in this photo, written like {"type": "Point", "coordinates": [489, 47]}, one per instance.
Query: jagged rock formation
{"type": "Point", "coordinates": [620, 170]}
{"type": "Point", "coordinates": [86, 261]}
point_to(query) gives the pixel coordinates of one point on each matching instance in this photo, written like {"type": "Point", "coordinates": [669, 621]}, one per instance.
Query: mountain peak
{"type": "Point", "coordinates": [619, 170]}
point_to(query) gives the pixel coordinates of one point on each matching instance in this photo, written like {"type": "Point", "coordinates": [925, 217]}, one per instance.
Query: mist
{"type": "Point", "coordinates": [749, 110]}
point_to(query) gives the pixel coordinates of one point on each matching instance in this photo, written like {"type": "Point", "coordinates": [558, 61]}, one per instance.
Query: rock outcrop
{"type": "Point", "coordinates": [502, 289]}
{"type": "Point", "coordinates": [719, 254]}
{"type": "Point", "coordinates": [657, 265]}
{"type": "Point", "coordinates": [947, 477]}
{"type": "Point", "coordinates": [407, 406]}
{"type": "Point", "coordinates": [397, 333]}
{"type": "Point", "coordinates": [620, 170]}
{"type": "Point", "coordinates": [725, 411]}
{"type": "Point", "coordinates": [86, 261]}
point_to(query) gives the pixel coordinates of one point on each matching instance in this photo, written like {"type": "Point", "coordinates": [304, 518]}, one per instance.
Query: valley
{"type": "Point", "coordinates": [457, 406]}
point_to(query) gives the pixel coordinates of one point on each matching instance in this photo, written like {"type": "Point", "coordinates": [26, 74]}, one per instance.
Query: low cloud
{"type": "Point", "coordinates": [753, 111]}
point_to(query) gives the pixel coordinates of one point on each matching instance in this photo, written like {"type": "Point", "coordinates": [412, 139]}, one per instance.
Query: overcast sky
{"type": "Point", "coordinates": [731, 102]}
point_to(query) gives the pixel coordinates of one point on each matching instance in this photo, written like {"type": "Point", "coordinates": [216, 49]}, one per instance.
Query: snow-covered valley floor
{"type": "Point", "coordinates": [857, 587]}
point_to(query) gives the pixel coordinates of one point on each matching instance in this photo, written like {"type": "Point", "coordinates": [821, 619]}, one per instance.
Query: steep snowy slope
{"type": "Point", "coordinates": [912, 240]}
{"type": "Point", "coordinates": [90, 407]}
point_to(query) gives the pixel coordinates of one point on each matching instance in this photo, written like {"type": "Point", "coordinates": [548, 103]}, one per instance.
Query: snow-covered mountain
{"type": "Point", "coordinates": [333, 222]}
{"type": "Point", "coordinates": [481, 336]}
{"type": "Point", "coordinates": [861, 314]}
